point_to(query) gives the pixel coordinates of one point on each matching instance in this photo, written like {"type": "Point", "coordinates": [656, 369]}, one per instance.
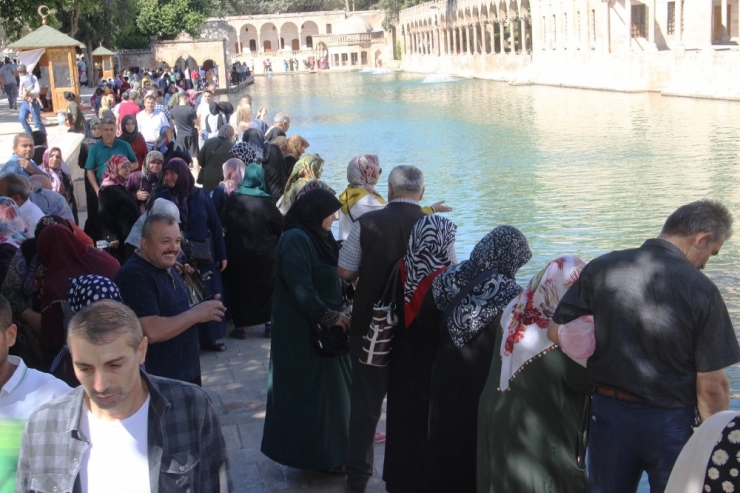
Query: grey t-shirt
{"type": "Point", "coordinates": [6, 71]}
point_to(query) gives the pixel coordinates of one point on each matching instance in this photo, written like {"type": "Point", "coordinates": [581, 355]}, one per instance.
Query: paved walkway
{"type": "Point", "coordinates": [236, 380]}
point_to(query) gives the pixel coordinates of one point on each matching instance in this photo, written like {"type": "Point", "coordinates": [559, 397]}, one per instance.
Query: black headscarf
{"type": "Point", "coordinates": [308, 213]}
{"type": "Point", "coordinates": [129, 137]}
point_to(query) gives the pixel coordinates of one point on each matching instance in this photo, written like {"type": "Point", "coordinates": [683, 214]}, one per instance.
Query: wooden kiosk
{"type": "Point", "coordinates": [58, 62]}
{"type": "Point", "coordinates": [103, 57]}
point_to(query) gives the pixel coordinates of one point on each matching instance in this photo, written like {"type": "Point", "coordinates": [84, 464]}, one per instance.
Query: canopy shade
{"type": "Point", "coordinates": [45, 37]}
{"type": "Point", "coordinates": [102, 51]}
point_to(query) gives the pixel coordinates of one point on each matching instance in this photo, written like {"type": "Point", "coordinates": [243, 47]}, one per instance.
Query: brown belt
{"type": "Point", "coordinates": [617, 394]}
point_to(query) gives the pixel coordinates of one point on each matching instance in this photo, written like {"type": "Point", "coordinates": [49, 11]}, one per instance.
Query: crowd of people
{"type": "Point", "coordinates": [201, 215]}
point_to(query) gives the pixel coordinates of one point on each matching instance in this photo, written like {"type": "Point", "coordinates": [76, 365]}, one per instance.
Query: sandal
{"type": "Point", "coordinates": [334, 471]}
{"type": "Point", "coordinates": [239, 333]}
{"type": "Point", "coordinates": [214, 346]}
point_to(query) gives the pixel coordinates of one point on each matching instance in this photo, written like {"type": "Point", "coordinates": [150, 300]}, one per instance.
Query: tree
{"type": "Point", "coordinates": [167, 18]}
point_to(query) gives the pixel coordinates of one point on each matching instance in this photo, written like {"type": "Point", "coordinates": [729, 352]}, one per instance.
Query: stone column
{"type": "Point", "coordinates": [439, 41]}
{"type": "Point", "coordinates": [628, 21]}
{"type": "Point", "coordinates": [492, 26]}
{"type": "Point", "coordinates": [651, 23]}
{"type": "Point", "coordinates": [523, 35]}
{"type": "Point", "coordinates": [475, 38]}
{"type": "Point", "coordinates": [471, 47]}
{"type": "Point", "coordinates": [501, 24]}
{"type": "Point", "coordinates": [725, 27]}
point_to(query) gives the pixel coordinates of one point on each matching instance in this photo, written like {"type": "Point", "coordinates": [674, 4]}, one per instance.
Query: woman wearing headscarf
{"type": "Point", "coordinates": [117, 207]}
{"type": "Point", "coordinates": [61, 176]}
{"type": "Point", "coordinates": [13, 231]}
{"type": "Point", "coordinates": [255, 149]}
{"type": "Point", "coordinates": [307, 420]}
{"type": "Point", "coordinates": [259, 124]}
{"type": "Point", "coordinates": [92, 131]}
{"type": "Point", "coordinates": [214, 153]}
{"type": "Point", "coordinates": [215, 120]}
{"type": "Point", "coordinates": [308, 168]}
{"type": "Point", "coordinates": [64, 257]}
{"type": "Point", "coordinates": [159, 206]}
{"type": "Point", "coordinates": [464, 307]}
{"type": "Point", "coordinates": [431, 250]}
{"type": "Point", "coordinates": [143, 183]}
{"type": "Point", "coordinates": [233, 170]}
{"type": "Point", "coordinates": [530, 413]}
{"type": "Point", "coordinates": [253, 227]}
{"type": "Point", "coordinates": [199, 224]}
{"type": "Point", "coordinates": [363, 173]}
{"type": "Point", "coordinates": [130, 133]}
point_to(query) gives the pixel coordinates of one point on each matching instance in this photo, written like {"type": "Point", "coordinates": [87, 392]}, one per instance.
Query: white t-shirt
{"type": "Point", "coordinates": [203, 112]}
{"type": "Point", "coordinates": [117, 459]}
{"type": "Point", "coordinates": [32, 214]}
{"type": "Point", "coordinates": [367, 203]}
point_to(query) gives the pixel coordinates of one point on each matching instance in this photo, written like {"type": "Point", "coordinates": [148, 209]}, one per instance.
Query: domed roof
{"type": "Point", "coordinates": [353, 25]}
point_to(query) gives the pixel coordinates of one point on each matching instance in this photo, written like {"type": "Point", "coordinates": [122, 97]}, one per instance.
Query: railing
{"type": "Point", "coordinates": [348, 39]}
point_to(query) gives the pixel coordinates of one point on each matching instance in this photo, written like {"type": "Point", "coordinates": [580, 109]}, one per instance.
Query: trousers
{"type": "Point", "coordinates": [34, 109]}
{"type": "Point", "coordinates": [626, 438]}
{"type": "Point", "coordinates": [11, 90]}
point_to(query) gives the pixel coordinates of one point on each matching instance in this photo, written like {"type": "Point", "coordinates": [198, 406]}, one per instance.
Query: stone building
{"type": "Point", "coordinates": [676, 47]}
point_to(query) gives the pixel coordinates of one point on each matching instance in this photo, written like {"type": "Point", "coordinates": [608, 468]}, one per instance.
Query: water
{"type": "Point", "coordinates": [581, 172]}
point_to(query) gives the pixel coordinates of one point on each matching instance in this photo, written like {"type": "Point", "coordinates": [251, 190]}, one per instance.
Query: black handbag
{"type": "Point", "coordinates": [200, 250]}
{"type": "Point", "coordinates": [329, 341]}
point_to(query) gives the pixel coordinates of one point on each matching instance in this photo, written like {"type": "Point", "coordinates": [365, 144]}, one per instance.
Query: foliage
{"type": "Point", "coordinates": [167, 18]}
{"type": "Point", "coordinates": [392, 8]}
{"type": "Point", "coordinates": [399, 51]}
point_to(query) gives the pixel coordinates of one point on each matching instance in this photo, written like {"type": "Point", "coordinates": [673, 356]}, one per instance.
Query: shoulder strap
{"type": "Point", "coordinates": [389, 292]}
{"type": "Point", "coordinates": [462, 293]}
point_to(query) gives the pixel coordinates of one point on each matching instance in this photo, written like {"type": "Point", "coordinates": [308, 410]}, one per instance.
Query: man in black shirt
{"type": "Point", "coordinates": [663, 339]}
{"type": "Point", "coordinates": [184, 116]}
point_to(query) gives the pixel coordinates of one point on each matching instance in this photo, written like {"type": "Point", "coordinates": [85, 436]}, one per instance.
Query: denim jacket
{"type": "Point", "coordinates": [186, 449]}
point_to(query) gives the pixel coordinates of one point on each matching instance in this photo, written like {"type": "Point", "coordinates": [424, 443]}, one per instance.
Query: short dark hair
{"type": "Point", "coordinates": [39, 137]}
{"type": "Point", "coordinates": [151, 221]}
{"type": "Point", "coordinates": [150, 96]}
{"type": "Point", "coordinates": [107, 121]}
{"type": "Point", "coordinates": [702, 216]}
{"type": "Point", "coordinates": [101, 322]}
{"type": "Point", "coordinates": [69, 96]}
{"type": "Point", "coordinates": [17, 185]}
{"type": "Point", "coordinates": [6, 314]}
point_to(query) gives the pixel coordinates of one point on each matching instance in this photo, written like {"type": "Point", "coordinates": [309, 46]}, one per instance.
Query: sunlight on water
{"type": "Point", "coordinates": [582, 172]}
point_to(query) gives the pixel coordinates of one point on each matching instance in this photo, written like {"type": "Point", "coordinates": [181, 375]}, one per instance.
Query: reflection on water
{"type": "Point", "coordinates": [581, 172]}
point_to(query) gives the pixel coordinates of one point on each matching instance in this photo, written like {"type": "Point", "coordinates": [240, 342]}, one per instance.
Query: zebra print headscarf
{"type": "Point", "coordinates": [431, 247]}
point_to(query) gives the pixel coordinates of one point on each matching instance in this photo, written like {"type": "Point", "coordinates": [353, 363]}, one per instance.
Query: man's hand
{"type": "Point", "coordinates": [210, 311]}
{"type": "Point", "coordinates": [343, 321]}
{"type": "Point", "coordinates": [27, 166]}
{"type": "Point", "coordinates": [142, 195]}
{"type": "Point", "coordinates": [440, 207]}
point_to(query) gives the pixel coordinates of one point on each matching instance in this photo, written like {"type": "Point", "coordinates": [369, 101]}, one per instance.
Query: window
{"type": "Point", "coordinates": [344, 59]}
{"type": "Point", "coordinates": [671, 24]}
{"type": "Point", "coordinates": [328, 29]}
{"type": "Point", "coordinates": [336, 60]}
{"type": "Point", "coordinates": [353, 58]}
{"type": "Point", "coordinates": [309, 42]}
{"type": "Point", "coordinates": [363, 58]}
{"type": "Point", "coordinates": [639, 21]}
{"type": "Point", "coordinates": [267, 46]}
{"type": "Point", "coordinates": [252, 45]}
{"type": "Point", "coordinates": [282, 44]}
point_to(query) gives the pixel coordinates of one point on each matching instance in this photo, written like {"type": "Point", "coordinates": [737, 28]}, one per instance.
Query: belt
{"type": "Point", "coordinates": [617, 394]}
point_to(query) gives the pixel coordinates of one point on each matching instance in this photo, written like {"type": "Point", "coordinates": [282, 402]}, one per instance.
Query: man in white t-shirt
{"type": "Point", "coordinates": [202, 112]}
{"type": "Point", "coordinates": [122, 430]}
{"type": "Point", "coordinates": [29, 91]}
{"type": "Point", "coordinates": [22, 391]}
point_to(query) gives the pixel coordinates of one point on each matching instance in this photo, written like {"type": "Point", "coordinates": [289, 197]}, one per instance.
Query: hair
{"type": "Point", "coordinates": [107, 121]}
{"type": "Point", "coordinates": [39, 137]}
{"type": "Point", "coordinates": [104, 321]}
{"type": "Point", "coordinates": [281, 118]}
{"type": "Point", "coordinates": [148, 228]}
{"type": "Point", "coordinates": [125, 96]}
{"type": "Point", "coordinates": [22, 69]}
{"type": "Point", "coordinates": [18, 137]}
{"type": "Point", "coordinates": [183, 96]}
{"type": "Point", "coordinates": [6, 314]}
{"type": "Point", "coordinates": [69, 96]}
{"type": "Point", "coordinates": [702, 216]}
{"type": "Point", "coordinates": [406, 179]}
{"type": "Point", "coordinates": [133, 94]}
{"type": "Point", "coordinates": [152, 97]}
{"type": "Point", "coordinates": [17, 185]}
{"type": "Point", "coordinates": [244, 113]}
{"type": "Point", "coordinates": [207, 92]}
{"type": "Point", "coordinates": [41, 180]}
{"type": "Point", "coordinates": [246, 99]}
{"type": "Point", "coordinates": [99, 91]}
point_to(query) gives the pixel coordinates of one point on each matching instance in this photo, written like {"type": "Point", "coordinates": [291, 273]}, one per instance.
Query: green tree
{"type": "Point", "coordinates": [167, 18]}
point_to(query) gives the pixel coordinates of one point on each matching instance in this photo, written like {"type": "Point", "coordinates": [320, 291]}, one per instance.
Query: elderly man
{"type": "Point", "coordinates": [663, 339]}
{"type": "Point", "coordinates": [151, 121]}
{"type": "Point", "coordinates": [375, 243]}
{"type": "Point", "coordinates": [122, 427]}
{"type": "Point", "coordinates": [17, 187]}
{"type": "Point", "coordinates": [102, 151]}
{"type": "Point", "coordinates": [280, 126]}
{"type": "Point", "coordinates": [30, 90]}
{"type": "Point", "coordinates": [21, 162]}
{"type": "Point", "coordinates": [154, 290]}
{"type": "Point", "coordinates": [22, 391]}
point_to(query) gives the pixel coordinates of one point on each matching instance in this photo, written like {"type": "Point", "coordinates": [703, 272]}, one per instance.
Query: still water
{"type": "Point", "coordinates": [579, 172]}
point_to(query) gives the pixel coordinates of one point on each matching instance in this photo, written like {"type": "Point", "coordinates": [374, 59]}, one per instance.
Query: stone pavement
{"type": "Point", "coordinates": [236, 380]}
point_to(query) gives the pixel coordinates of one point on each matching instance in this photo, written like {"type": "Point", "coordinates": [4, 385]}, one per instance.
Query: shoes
{"type": "Point", "coordinates": [379, 437]}
{"type": "Point", "coordinates": [268, 330]}
{"type": "Point", "coordinates": [239, 333]}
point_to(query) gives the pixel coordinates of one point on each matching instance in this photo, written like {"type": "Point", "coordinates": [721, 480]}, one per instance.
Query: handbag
{"type": "Point", "coordinates": [200, 250]}
{"type": "Point", "coordinates": [377, 343]}
{"type": "Point", "coordinates": [329, 341]}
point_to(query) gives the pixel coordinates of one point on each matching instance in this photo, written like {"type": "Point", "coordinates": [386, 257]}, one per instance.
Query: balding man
{"type": "Point", "coordinates": [280, 126]}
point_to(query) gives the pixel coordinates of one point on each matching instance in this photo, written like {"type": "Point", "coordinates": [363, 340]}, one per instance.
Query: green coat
{"type": "Point", "coordinates": [529, 436]}
{"type": "Point", "coordinates": [307, 420]}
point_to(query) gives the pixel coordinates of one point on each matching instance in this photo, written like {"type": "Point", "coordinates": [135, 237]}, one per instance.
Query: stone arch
{"type": "Point", "coordinates": [309, 30]}
{"type": "Point", "coordinates": [269, 37]}
{"type": "Point", "coordinates": [513, 9]}
{"type": "Point", "coordinates": [290, 36]}
{"type": "Point", "coordinates": [233, 40]}
{"type": "Point", "coordinates": [525, 8]}
{"type": "Point", "coordinates": [322, 49]}
{"type": "Point", "coordinates": [186, 61]}
{"type": "Point", "coordinates": [248, 38]}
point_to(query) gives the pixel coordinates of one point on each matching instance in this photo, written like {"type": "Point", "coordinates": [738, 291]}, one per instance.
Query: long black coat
{"type": "Point", "coordinates": [117, 213]}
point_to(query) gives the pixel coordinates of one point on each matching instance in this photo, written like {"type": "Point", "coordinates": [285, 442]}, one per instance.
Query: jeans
{"type": "Point", "coordinates": [35, 110]}
{"type": "Point", "coordinates": [11, 90]}
{"type": "Point", "coordinates": [626, 438]}
{"type": "Point", "coordinates": [369, 385]}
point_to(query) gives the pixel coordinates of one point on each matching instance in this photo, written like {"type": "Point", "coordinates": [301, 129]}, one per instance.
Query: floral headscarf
{"type": "Point", "coordinates": [166, 137]}
{"type": "Point", "coordinates": [111, 176]}
{"type": "Point", "coordinates": [233, 174]}
{"type": "Point", "coordinates": [307, 168]}
{"type": "Point", "coordinates": [431, 250]}
{"type": "Point", "coordinates": [364, 171]}
{"type": "Point", "coordinates": [527, 316]}
{"type": "Point", "coordinates": [13, 228]}
{"type": "Point", "coordinates": [502, 251]}
{"type": "Point", "coordinates": [57, 181]}
{"type": "Point", "coordinates": [153, 178]}
{"type": "Point", "coordinates": [226, 132]}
